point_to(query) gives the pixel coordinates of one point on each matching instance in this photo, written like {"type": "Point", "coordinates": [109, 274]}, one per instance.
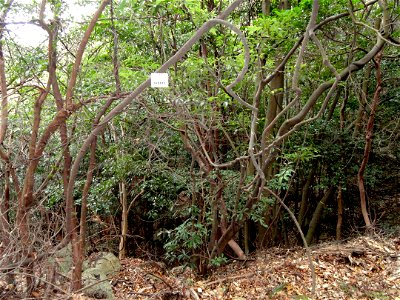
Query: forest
{"type": "Point", "coordinates": [279, 129]}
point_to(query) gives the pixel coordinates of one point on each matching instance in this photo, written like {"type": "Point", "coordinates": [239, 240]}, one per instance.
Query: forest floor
{"type": "Point", "coordinates": [361, 268]}
{"type": "Point", "coordinates": [367, 267]}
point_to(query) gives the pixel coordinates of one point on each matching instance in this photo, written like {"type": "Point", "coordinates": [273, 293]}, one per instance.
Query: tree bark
{"type": "Point", "coordinates": [115, 51]}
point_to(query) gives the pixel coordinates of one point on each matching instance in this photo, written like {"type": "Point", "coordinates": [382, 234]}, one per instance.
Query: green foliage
{"type": "Point", "coordinates": [219, 261]}
{"type": "Point", "coordinates": [282, 179]}
{"type": "Point", "coordinates": [161, 189]}
{"type": "Point", "coordinates": [183, 240]}
{"type": "Point", "coordinates": [257, 214]}
{"type": "Point", "coordinates": [103, 197]}
{"type": "Point", "coordinates": [54, 194]}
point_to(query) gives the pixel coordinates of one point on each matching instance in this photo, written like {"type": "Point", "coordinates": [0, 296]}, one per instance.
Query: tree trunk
{"type": "Point", "coordinates": [274, 105]}
{"type": "Point", "coordinates": [340, 214]}
{"type": "Point", "coordinates": [5, 244]}
{"type": "Point", "coordinates": [305, 193]}
{"type": "Point", "coordinates": [266, 7]}
{"type": "Point", "coordinates": [123, 197]}
{"type": "Point", "coordinates": [78, 241]}
{"type": "Point", "coordinates": [334, 104]}
{"type": "Point", "coordinates": [317, 215]}
{"type": "Point", "coordinates": [4, 211]}
{"type": "Point", "coordinates": [368, 140]}
{"type": "Point", "coordinates": [5, 194]}
{"type": "Point", "coordinates": [275, 102]}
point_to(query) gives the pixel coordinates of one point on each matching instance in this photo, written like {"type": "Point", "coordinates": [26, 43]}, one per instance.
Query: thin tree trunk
{"type": "Point", "coordinates": [26, 198]}
{"type": "Point", "coordinates": [266, 7]}
{"type": "Point", "coordinates": [64, 138]}
{"type": "Point", "coordinates": [334, 103]}
{"type": "Point", "coordinates": [368, 141]}
{"type": "Point", "coordinates": [81, 239]}
{"type": "Point", "coordinates": [5, 223]}
{"type": "Point", "coordinates": [317, 215]}
{"type": "Point", "coordinates": [340, 192]}
{"type": "Point", "coordinates": [78, 241]}
{"type": "Point", "coordinates": [246, 237]}
{"type": "Point", "coordinates": [274, 105]}
{"type": "Point", "coordinates": [250, 170]}
{"type": "Point", "coordinates": [305, 193]}
{"type": "Point", "coordinates": [277, 86]}
{"type": "Point", "coordinates": [123, 197]}
{"type": "Point", "coordinates": [340, 214]}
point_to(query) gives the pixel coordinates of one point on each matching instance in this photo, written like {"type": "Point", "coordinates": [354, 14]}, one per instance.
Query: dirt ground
{"type": "Point", "coordinates": [361, 268]}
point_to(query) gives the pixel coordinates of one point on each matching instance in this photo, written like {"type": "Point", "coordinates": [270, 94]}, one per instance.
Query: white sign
{"type": "Point", "coordinates": [159, 80]}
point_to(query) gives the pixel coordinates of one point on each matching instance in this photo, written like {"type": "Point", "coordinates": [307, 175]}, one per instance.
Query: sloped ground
{"type": "Point", "coordinates": [363, 268]}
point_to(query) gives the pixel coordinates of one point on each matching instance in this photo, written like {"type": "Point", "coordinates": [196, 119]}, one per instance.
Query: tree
{"type": "Point", "coordinates": [243, 135]}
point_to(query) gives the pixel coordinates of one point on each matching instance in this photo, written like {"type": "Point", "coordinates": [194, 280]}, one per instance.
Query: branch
{"type": "Point", "coordinates": [120, 107]}
{"type": "Point", "coordinates": [384, 32]}
{"type": "Point", "coordinates": [310, 27]}
{"type": "Point", "coordinates": [353, 67]}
